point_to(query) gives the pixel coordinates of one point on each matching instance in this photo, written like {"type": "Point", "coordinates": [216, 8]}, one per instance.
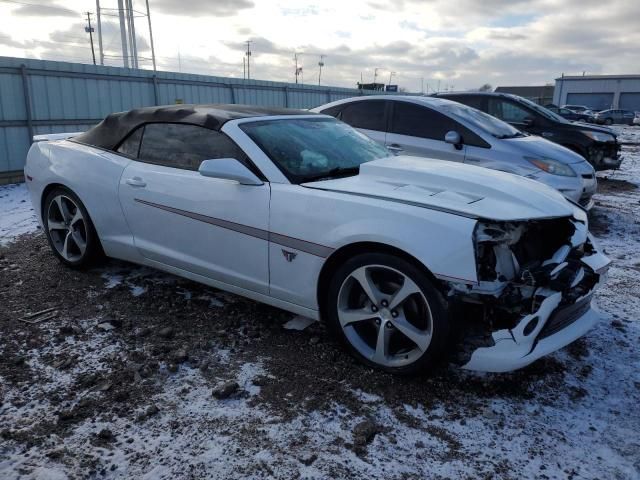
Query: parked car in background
{"type": "Point", "coordinates": [619, 116]}
{"type": "Point", "coordinates": [445, 130]}
{"type": "Point", "coordinates": [579, 109]}
{"type": "Point", "coordinates": [572, 115]}
{"type": "Point", "coordinates": [302, 212]}
{"type": "Point", "coordinates": [599, 145]}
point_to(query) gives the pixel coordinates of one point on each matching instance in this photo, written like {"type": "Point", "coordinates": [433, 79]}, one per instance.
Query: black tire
{"type": "Point", "coordinates": [608, 121]}
{"type": "Point", "coordinates": [437, 307]}
{"type": "Point", "coordinates": [93, 250]}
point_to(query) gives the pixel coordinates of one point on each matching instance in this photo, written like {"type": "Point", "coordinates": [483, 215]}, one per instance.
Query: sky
{"type": "Point", "coordinates": [421, 45]}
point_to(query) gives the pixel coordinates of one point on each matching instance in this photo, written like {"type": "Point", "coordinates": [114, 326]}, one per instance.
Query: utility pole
{"type": "Point", "coordinates": [244, 67]}
{"type": "Point", "coordinates": [132, 34]}
{"type": "Point", "coordinates": [248, 42]}
{"type": "Point", "coordinates": [298, 70]}
{"type": "Point", "coordinates": [391, 74]}
{"type": "Point", "coordinates": [89, 30]}
{"type": "Point", "coordinates": [422, 85]}
{"type": "Point", "coordinates": [99, 22]}
{"type": "Point", "coordinates": [123, 35]}
{"type": "Point", "coordinates": [153, 51]}
{"type": "Point", "coordinates": [320, 64]}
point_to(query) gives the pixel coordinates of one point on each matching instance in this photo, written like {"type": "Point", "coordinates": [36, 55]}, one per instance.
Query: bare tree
{"type": "Point", "coordinates": [486, 88]}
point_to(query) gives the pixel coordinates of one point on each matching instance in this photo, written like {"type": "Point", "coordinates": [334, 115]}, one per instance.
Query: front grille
{"type": "Point", "coordinates": [564, 317]}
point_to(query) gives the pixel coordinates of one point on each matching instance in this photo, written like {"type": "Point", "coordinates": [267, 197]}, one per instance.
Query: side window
{"type": "Point", "coordinates": [508, 111]}
{"type": "Point", "coordinates": [470, 100]}
{"type": "Point", "coordinates": [417, 121]}
{"type": "Point", "coordinates": [333, 111]}
{"type": "Point", "coordinates": [365, 114]}
{"type": "Point", "coordinates": [185, 146]}
{"type": "Point", "coordinates": [131, 144]}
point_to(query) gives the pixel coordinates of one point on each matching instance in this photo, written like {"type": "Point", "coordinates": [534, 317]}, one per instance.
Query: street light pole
{"type": "Point", "coordinates": [375, 76]}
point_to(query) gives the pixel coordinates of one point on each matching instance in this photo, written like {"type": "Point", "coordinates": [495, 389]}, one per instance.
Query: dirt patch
{"type": "Point", "coordinates": [609, 185]}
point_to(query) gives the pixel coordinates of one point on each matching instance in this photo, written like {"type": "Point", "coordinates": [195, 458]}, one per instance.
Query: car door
{"type": "Point", "coordinates": [419, 130]}
{"type": "Point", "coordinates": [368, 116]}
{"type": "Point", "coordinates": [212, 227]}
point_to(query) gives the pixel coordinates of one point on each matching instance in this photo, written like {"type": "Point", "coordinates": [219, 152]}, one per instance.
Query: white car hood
{"type": "Point", "coordinates": [458, 188]}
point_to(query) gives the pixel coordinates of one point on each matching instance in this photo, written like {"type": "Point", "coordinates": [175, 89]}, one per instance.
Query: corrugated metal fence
{"type": "Point", "coordinates": [39, 96]}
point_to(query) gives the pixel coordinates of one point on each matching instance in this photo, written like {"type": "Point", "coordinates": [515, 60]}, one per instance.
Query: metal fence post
{"type": "Point", "coordinates": [233, 94]}
{"type": "Point", "coordinates": [27, 100]}
{"type": "Point", "coordinates": [156, 98]}
{"type": "Point", "coordinates": [286, 97]}
{"type": "Point", "coordinates": [328, 95]}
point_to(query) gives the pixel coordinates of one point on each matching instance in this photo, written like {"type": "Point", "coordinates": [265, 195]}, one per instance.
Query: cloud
{"type": "Point", "coordinates": [7, 41]}
{"type": "Point", "coordinates": [192, 8]}
{"type": "Point", "coordinates": [44, 11]}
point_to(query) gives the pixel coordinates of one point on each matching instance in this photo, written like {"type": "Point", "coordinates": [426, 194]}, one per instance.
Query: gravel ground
{"type": "Point", "coordinates": [139, 374]}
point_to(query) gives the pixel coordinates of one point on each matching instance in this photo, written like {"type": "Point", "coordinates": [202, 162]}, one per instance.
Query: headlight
{"type": "Point", "coordinates": [599, 136]}
{"type": "Point", "coordinates": [552, 166]}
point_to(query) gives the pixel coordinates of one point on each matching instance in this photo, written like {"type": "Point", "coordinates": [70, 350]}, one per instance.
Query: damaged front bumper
{"type": "Point", "coordinates": [544, 306]}
{"type": "Point", "coordinates": [605, 155]}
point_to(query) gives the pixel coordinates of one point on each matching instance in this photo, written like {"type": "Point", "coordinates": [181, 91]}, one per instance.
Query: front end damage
{"type": "Point", "coordinates": [604, 155]}
{"type": "Point", "coordinates": [533, 295]}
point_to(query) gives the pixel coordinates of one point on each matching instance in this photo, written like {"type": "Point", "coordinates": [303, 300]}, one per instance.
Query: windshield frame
{"type": "Point", "coordinates": [297, 178]}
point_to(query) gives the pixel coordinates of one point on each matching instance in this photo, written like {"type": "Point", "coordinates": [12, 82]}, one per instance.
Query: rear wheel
{"type": "Point", "coordinates": [608, 121]}
{"type": "Point", "coordinates": [387, 312]}
{"type": "Point", "coordinates": [69, 229]}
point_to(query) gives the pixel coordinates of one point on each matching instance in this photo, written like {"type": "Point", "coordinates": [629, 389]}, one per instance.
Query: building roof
{"type": "Point", "coordinates": [112, 130]}
{"type": "Point", "coordinates": [541, 91]}
{"type": "Point", "coordinates": [599, 77]}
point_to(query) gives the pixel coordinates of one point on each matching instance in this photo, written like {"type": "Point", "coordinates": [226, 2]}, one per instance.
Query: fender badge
{"type": "Point", "coordinates": [289, 255]}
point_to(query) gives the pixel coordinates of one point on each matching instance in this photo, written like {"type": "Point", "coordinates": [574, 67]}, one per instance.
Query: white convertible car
{"type": "Point", "coordinates": [404, 259]}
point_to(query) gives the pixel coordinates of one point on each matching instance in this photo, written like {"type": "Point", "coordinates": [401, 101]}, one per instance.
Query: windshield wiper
{"type": "Point", "coordinates": [333, 173]}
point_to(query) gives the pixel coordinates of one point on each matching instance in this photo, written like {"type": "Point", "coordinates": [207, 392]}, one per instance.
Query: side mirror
{"type": "Point", "coordinates": [228, 169]}
{"type": "Point", "coordinates": [454, 139]}
{"type": "Point", "coordinates": [529, 122]}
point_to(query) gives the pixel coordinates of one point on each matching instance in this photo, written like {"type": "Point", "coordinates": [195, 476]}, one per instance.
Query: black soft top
{"type": "Point", "coordinates": [112, 130]}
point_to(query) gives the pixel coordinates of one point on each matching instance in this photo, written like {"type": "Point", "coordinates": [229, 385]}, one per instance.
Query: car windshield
{"type": "Point", "coordinates": [311, 149]}
{"type": "Point", "coordinates": [545, 112]}
{"type": "Point", "coordinates": [479, 120]}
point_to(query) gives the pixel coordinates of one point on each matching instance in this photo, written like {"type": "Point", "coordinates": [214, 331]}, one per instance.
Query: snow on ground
{"type": "Point", "coordinates": [16, 213]}
{"type": "Point", "coordinates": [581, 423]}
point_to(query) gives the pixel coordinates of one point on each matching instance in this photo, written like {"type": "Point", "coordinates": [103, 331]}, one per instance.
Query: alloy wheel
{"type": "Point", "coordinates": [67, 228]}
{"type": "Point", "coordinates": [384, 315]}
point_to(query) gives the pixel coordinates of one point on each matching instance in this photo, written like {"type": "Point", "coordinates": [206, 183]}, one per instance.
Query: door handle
{"type": "Point", "coordinates": [136, 182]}
{"type": "Point", "coordinates": [394, 147]}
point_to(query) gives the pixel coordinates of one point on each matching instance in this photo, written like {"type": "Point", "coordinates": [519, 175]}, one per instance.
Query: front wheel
{"type": "Point", "coordinates": [608, 121]}
{"type": "Point", "coordinates": [388, 313]}
{"type": "Point", "coordinates": [69, 229]}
